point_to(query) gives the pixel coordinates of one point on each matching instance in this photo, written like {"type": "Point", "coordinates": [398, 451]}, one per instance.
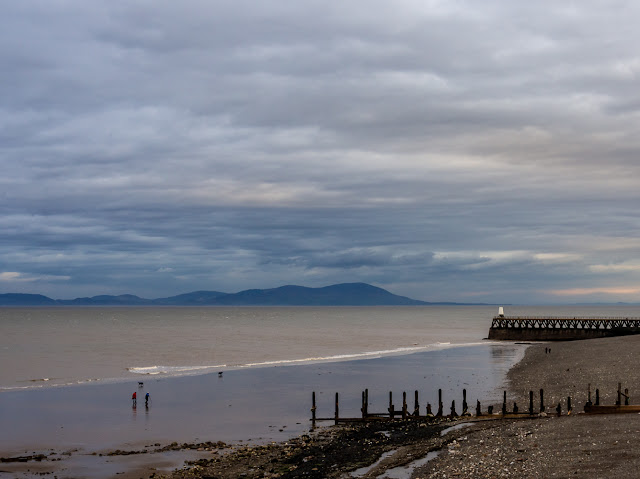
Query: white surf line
{"type": "Point", "coordinates": [205, 369]}
{"type": "Point", "coordinates": [340, 357]}
{"type": "Point", "coordinates": [401, 351]}
{"type": "Point", "coordinates": [404, 472]}
{"type": "Point", "coordinates": [176, 370]}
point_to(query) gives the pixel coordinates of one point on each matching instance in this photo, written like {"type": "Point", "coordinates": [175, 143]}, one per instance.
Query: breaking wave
{"type": "Point", "coordinates": [203, 369]}
{"type": "Point", "coordinates": [173, 370]}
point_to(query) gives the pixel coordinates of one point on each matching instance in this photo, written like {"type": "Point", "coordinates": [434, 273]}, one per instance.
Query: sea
{"type": "Point", "coordinates": [238, 373]}
{"type": "Point", "coordinates": [47, 347]}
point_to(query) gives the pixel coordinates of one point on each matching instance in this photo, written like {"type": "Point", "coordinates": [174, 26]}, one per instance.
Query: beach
{"type": "Point", "coordinates": [574, 445]}
{"type": "Point", "coordinates": [254, 422]}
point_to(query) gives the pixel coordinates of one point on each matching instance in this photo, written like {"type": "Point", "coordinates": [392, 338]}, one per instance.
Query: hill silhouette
{"type": "Point", "coordinates": [345, 294]}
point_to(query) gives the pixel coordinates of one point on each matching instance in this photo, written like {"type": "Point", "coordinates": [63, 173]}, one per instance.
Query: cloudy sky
{"type": "Point", "coordinates": [444, 150]}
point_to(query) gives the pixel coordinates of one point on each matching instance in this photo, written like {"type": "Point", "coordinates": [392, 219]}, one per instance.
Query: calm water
{"type": "Point", "coordinates": [41, 347]}
{"type": "Point", "coordinates": [50, 346]}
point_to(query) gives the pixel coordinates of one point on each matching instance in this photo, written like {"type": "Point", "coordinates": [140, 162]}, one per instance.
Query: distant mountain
{"type": "Point", "coordinates": [346, 294]}
{"type": "Point", "coordinates": [19, 299]}
{"type": "Point", "coordinates": [195, 298]}
{"type": "Point", "coordinates": [106, 300]}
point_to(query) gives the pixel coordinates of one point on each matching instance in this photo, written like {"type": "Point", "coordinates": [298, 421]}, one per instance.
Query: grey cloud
{"type": "Point", "coordinates": [437, 147]}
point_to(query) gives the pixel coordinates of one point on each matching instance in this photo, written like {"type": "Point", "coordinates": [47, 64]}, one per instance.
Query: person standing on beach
{"type": "Point", "coordinates": [134, 398]}
{"type": "Point", "coordinates": [146, 400]}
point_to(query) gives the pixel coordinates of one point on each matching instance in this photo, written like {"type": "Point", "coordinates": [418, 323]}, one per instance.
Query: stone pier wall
{"type": "Point", "coordinates": [555, 334]}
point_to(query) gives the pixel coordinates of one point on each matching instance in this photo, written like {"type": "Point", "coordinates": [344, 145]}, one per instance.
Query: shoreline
{"type": "Point", "coordinates": [575, 445]}
{"type": "Point", "coordinates": [175, 404]}
{"type": "Point", "coordinates": [171, 372]}
{"type": "Point", "coordinates": [87, 344]}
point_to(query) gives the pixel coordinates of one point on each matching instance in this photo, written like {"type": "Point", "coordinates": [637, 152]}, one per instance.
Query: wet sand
{"type": "Point", "coordinates": [72, 426]}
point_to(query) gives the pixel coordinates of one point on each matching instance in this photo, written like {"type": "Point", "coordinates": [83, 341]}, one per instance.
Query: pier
{"type": "Point", "coordinates": [554, 328]}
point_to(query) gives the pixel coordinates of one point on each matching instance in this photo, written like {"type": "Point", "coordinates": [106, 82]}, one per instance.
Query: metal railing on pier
{"type": "Point", "coordinates": [551, 322]}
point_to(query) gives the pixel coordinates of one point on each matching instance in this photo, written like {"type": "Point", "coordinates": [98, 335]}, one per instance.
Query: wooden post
{"type": "Point", "coordinates": [404, 405]}
{"type": "Point", "coordinates": [362, 408]}
{"type": "Point", "coordinates": [531, 402]}
{"type": "Point", "coordinates": [440, 411]}
{"type": "Point", "coordinates": [626, 396]}
{"type": "Point", "coordinates": [337, 412]}
{"type": "Point", "coordinates": [416, 405]}
{"type": "Point", "coordinates": [569, 405]}
{"type": "Point", "coordinates": [597, 397]}
{"type": "Point", "coordinates": [313, 408]}
{"type": "Point", "coordinates": [490, 410]}
{"type": "Point", "coordinates": [504, 404]}
{"type": "Point", "coordinates": [453, 409]}
{"type": "Point", "coordinates": [429, 411]}
{"type": "Point", "coordinates": [391, 411]}
{"type": "Point", "coordinates": [478, 409]}
{"type": "Point", "coordinates": [464, 402]}
{"type": "Point", "coordinates": [541, 400]}
{"type": "Point", "coordinates": [366, 402]}
{"type": "Point", "coordinates": [559, 409]}
{"type": "Point", "coordinates": [515, 408]}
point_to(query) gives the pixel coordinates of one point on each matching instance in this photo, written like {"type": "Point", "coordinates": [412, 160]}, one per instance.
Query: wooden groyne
{"type": "Point", "coordinates": [407, 414]}
{"type": "Point", "coordinates": [552, 328]}
{"type": "Point", "coordinates": [617, 408]}
{"type": "Point", "coordinates": [404, 413]}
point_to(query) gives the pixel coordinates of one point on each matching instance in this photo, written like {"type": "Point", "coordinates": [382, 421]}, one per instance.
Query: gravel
{"type": "Point", "coordinates": [575, 445]}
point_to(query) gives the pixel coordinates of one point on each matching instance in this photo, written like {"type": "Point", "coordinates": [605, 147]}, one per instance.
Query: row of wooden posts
{"type": "Point", "coordinates": [405, 413]}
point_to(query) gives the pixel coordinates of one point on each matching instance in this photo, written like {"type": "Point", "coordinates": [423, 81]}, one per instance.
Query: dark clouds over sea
{"type": "Point", "coordinates": [446, 151]}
